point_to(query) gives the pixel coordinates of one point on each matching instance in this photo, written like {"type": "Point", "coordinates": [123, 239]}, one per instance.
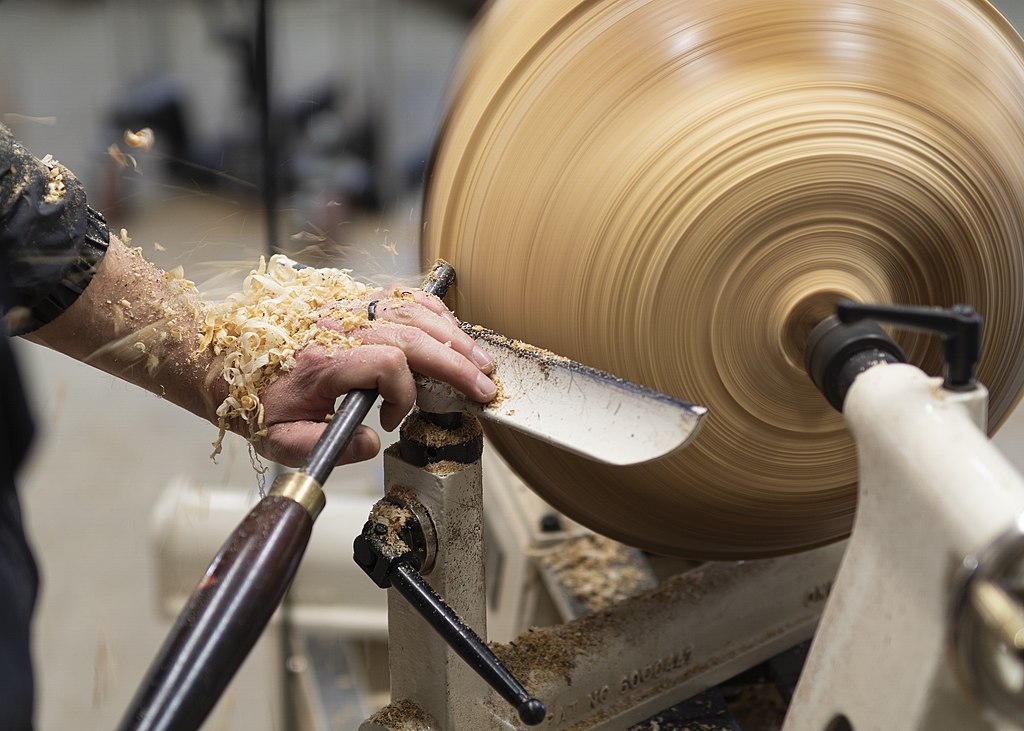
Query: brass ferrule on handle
{"type": "Point", "coordinates": [301, 488]}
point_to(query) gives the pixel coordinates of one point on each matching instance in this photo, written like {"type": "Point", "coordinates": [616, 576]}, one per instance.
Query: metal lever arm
{"type": "Point", "coordinates": [465, 642]}
{"type": "Point", "coordinates": [392, 557]}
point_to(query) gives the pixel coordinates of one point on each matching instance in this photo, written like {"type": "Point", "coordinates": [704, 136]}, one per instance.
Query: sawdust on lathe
{"type": "Point", "coordinates": [596, 571]}
{"type": "Point", "coordinates": [403, 715]}
{"type": "Point", "coordinates": [499, 394]}
{"type": "Point", "coordinates": [394, 517]}
{"type": "Point", "coordinates": [421, 431]}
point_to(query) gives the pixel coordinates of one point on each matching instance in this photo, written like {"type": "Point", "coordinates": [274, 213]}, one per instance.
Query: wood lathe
{"type": "Point", "coordinates": [680, 194]}
{"type": "Point", "coordinates": [724, 202]}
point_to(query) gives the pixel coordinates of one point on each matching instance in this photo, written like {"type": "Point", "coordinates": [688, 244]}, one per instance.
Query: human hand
{"type": "Point", "coordinates": [411, 331]}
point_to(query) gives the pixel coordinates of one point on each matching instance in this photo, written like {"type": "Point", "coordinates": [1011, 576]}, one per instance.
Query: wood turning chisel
{"type": "Point", "coordinates": [247, 579]}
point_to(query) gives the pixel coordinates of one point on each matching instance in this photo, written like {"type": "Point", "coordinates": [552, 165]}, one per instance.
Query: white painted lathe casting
{"type": "Point", "coordinates": [643, 655]}
{"type": "Point", "coordinates": [933, 492]}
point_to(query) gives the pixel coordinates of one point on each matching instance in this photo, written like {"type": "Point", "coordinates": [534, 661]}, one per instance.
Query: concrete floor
{"type": "Point", "coordinates": [106, 450]}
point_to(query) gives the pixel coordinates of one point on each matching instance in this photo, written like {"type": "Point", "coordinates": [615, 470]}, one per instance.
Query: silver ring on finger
{"type": "Point", "coordinates": [371, 311]}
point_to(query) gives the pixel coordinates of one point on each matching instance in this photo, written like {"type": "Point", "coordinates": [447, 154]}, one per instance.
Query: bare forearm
{"type": "Point", "coordinates": [137, 323]}
{"type": "Point", "coordinates": [287, 344]}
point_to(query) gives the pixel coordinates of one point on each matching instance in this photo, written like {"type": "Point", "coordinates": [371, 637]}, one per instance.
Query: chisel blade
{"type": "Point", "coordinates": [570, 405]}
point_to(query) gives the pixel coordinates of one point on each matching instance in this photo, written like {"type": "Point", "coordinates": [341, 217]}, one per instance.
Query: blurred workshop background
{"type": "Point", "coordinates": [357, 96]}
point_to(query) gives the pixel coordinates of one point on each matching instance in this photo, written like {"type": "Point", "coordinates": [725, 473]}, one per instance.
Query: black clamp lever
{"type": "Point", "coordinates": [391, 549]}
{"type": "Point", "coordinates": [842, 347]}
{"type": "Point", "coordinates": [959, 326]}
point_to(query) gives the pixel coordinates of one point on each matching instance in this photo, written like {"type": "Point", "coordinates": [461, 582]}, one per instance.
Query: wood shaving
{"type": "Point", "coordinates": [141, 140]}
{"type": "Point", "coordinates": [259, 330]}
{"type": "Point", "coordinates": [55, 188]}
{"type": "Point", "coordinates": [394, 517]}
{"type": "Point", "coordinates": [14, 118]}
{"type": "Point", "coordinates": [122, 159]}
{"type": "Point", "coordinates": [499, 394]}
{"type": "Point", "coordinates": [597, 571]}
{"type": "Point", "coordinates": [421, 431]}
{"type": "Point", "coordinates": [405, 715]}
{"type": "Point", "coordinates": [444, 467]}
{"type": "Point", "coordinates": [308, 236]}
{"type": "Point", "coordinates": [177, 273]}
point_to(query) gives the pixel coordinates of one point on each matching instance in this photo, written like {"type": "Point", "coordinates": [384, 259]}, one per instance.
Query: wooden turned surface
{"type": "Point", "coordinates": [677, 192]}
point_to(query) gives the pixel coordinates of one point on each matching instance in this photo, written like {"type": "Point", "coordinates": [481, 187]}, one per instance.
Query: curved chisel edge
{"type": "Point", "coordinates": [571, 406]}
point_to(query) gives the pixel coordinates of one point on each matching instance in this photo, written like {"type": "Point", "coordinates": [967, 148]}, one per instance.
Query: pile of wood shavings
{"type": "Point", "coordinates": [259, 330]}
{"type": "Point", "coordinates": [394, 518]}
{"type": "Point", "coordinates": [597, 571]}
{"type": "Point", "coordinates": [55, 188]}
{"type": "Point", "coordinates": [403, 714]}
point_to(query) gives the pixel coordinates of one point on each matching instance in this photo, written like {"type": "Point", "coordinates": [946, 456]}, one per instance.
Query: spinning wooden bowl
{"type": "Point", "coordinates": [677, 192]}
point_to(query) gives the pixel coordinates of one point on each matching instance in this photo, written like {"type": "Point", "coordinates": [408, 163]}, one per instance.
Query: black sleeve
{"type": "Point", "coordinates": [51, 242]}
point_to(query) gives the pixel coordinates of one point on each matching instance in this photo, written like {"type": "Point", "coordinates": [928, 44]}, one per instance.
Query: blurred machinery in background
{"type": "Point", "coordinates": [342, 100]}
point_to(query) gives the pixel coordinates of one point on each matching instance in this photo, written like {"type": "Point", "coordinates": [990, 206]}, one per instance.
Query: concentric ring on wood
{"type": "Point", "coordinates": [677, 192]}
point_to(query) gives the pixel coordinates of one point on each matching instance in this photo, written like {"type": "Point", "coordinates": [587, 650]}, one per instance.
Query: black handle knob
{"type": "Point", "coordinates": [959, 326]}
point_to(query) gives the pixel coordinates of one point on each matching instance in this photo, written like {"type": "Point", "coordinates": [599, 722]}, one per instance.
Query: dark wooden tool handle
{"type": "Point", "coordinates": [223, 618]}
